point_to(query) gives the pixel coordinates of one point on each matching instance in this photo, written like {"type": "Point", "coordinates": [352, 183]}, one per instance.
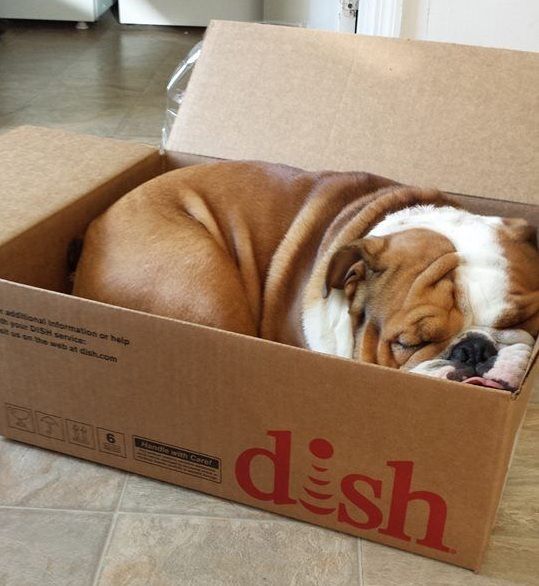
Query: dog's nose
{"type": "Point", "coordinates": [473, 350]}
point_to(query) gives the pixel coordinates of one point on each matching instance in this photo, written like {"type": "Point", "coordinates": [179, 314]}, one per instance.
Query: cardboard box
{"type": "Point", "coordinates": [409, 461]}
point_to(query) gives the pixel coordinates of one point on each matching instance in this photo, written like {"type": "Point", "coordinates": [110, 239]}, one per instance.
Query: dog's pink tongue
{"type": "Point", "coordinates": [483, 382]}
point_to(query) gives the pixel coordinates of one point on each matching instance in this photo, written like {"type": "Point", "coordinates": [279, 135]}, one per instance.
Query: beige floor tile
{"type": "Point", "coordinates": [34, 62]}
{"type": "Point", "coordinates": [513, 560]}
{"type": "Point", "coordinates": [535, 394]}
{"type": "Point", "coordinates": [524, 467]}
{"type": "Point", "coordinates": [85, 74]}
{"type": "Point", "coordinates": [50, 548]}
{"type": "Point", "coordinates": [518, 515]}
{"type": "Point", "coordinates": [531, 420]}
{"type": "Point", "coordinates": [145, 495]}
{"type": "Point", "coordinates": [16, 95]}
{"type": "Point", "coordinates": [112, 64]}
{"type": "Point", "coordinates": [145, 118]}
{"type": "Point", "coordinates": [89, 81]}
{"type": "Point", "coordinates": [164, 550]}
{"type": "Point", "coordinates": [385, 566]}
{"type": "Point", "coordinates": [31, 477]}
{"type": "Point", "coordinates": [93, 109]}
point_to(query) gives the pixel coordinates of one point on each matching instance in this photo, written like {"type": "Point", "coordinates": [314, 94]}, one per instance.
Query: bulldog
{"type": "Point", "coordinates": [350, 264]}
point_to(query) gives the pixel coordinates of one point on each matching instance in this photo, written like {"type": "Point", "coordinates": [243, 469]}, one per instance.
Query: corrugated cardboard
{"type": "Point", "coordinates": [409, 461]}
{"type": "Point", "coordinates": [47, 182]}
{"type": "Point", "coordinates": [464, 119]}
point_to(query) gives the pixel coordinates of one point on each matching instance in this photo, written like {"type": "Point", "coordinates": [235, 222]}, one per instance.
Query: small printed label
{"type": "Point", "coordinates": [111, 442]}
{"type": "Point", "coordinates": [20, 418]}
{"type": "Point", "coordinates": [179, 459]}
{"type": "Point", "coordinates": [81, 434]}
{"type": "Point", "coordinates": [50, 426]}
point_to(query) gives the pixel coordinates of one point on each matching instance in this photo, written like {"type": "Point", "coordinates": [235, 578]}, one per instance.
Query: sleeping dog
{"type": "Point", "coordinates": [350, 264]}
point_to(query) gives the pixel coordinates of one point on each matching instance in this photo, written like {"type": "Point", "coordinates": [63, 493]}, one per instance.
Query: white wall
{"type": "Point", "coordinates": [286, 11]}
{"type": "Point", "coordinates": [321, 14]}
{"type": "Point", "coordinates": [324, 14]}
{"type": "Point", "coordinates": [512, 24]}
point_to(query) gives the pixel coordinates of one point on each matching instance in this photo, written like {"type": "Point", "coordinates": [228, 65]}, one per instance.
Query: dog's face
{"type": "Point", "coordinates": [443, 292]}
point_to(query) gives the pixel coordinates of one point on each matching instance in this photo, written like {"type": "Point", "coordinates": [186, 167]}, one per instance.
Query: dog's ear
{"type": "Point", "coordinates": [371, 250]}
{"type": "Point", "coordinates": [520, 231]}
{"type": "Point", "coordinates": [348, 266]}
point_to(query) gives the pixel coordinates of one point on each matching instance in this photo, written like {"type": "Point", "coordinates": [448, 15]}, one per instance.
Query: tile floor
{"type": "Point", "coordinates": [109, 80]}
{"type": "Point", "coordinates": [64, 521]}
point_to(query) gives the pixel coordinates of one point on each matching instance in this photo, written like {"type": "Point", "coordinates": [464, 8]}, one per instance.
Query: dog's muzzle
{"type": "Point", "coordinates": [484, 357]}
{"type": "Point", "coordinates": [474, 355]}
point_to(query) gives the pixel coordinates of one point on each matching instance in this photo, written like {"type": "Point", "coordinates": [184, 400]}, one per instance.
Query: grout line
{"type": "Point", "coordinates": [108, 540]}
{"type": "Point", "coordinates": [122, 493]}
{"type": "Point", "coordinates": [360, 560]}
{"type": "Point", "coordinates": [117, 511]}
{"type": "Point", "coordinates": [276, 518]}
{"type": "Point", "coordinates": [54, 510]}
{"type": "Point", "coordinates": [149, 512]}
{"type": "Point", "coordinates": [217, 517]}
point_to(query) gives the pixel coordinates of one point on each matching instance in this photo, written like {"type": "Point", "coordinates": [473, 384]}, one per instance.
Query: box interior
{"type": "Point", "coordinates": [96, 203]}
{"type": "Point", "coordinates": [23, 258]}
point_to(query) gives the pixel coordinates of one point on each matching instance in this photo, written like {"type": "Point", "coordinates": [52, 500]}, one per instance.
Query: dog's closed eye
{"type": "Point", "coordinates": [405, 346]}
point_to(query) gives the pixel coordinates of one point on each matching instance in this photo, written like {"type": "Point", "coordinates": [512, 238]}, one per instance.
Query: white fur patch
{"type": "Point", "coordinates": [434, 368]}
{"type": "Point", "coordinates": [483, 269]}
{"type": "Point", "coordinates": [481, 276]}
{"type": "Point", "coordinates": [327, 325]}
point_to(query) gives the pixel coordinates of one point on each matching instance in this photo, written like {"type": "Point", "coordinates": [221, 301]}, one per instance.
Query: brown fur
{"type": "Point", "coordinates": [411, 300]}
{"type": "Point", "coordinates": [204, 244]}
{"type": "Point", "coordinates": [519, 241]}
{"type": "Point", "coordinates": [194, 244]}
{"type": "Point", "coordinates": [247, 246]}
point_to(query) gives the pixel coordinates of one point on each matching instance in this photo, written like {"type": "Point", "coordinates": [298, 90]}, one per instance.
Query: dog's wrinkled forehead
{"type": "Point", "coordinates": [483, 267]}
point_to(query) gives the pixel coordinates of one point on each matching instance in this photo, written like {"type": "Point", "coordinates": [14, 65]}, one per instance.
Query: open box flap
{"type": "Point", "coordinates": [464, 119]}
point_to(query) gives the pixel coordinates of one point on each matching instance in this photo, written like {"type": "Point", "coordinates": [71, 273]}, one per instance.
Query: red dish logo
{"type": "Point", "coordinates": [317, 483]}
{"type": "Point", "coordinates": [354, 503]}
